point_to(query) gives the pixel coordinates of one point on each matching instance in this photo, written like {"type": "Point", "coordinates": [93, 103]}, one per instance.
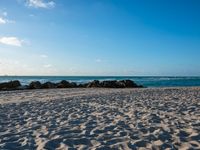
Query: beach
{"type": "Point", "coordinates": [100, 118]}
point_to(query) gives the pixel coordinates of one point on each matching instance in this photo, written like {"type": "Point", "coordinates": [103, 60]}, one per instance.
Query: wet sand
{"type": "Point", "coordinates": [152, 118]}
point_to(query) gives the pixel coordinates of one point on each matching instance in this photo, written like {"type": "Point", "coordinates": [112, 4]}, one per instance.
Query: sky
{"type": "Point", "coordinates": [100, 37]}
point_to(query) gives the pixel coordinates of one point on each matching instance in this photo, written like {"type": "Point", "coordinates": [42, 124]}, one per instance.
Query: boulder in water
{"type": "Point", "coordinates": [93, 84]}
{"type": "Point", "coordinates": [130, 84]}
{"type": "Point", "coordinates": [48, 85]}
{"type": "Point", "coordinates": [108, 84]}
{"type": "Point", "coordinates": [35, 85]}
{"type": "Point", "coordinates": [12, 85]}
{"type": "Point", "coordinates": [66, 84]}
{"type": "Point", "coordinates": [73, 85]}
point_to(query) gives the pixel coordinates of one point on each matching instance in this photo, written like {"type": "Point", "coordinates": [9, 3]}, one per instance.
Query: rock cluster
{"type": "Point", "coordinates": [16, 85]}
{"type": "Point", "coordinates": [113, 84]}
{"type": "Point", "coordinates": [10, 85]}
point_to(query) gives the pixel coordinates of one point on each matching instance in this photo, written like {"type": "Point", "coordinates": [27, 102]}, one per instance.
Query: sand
{"type": "Point", "coordinates": [152, 118]}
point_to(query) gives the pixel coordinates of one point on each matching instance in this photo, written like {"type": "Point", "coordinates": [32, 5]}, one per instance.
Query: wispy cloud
{"type": "Point", "coordinates": [3, 19]}
{"type": "Point", "coordinates": [13, 41]}
{"type": "Point", "coordinates": [98, 60]}
{"type": "Point", "coordinates": [43, 56]}
{"type": "Point", "coordinates": [47, 66]}
{"type": "Point", "coordinates": [40, 3]}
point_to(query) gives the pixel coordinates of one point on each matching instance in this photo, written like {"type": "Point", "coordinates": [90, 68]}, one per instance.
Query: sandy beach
{"type": "Point", "coordinates": [151, 118]}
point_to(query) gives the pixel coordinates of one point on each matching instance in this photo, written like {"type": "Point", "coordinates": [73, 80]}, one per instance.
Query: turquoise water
{"type": "Point", "coordinates": [149, 81]}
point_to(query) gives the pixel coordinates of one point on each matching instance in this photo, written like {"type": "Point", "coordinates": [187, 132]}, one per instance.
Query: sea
{"type": "Point", "coordinates": [147, 81]}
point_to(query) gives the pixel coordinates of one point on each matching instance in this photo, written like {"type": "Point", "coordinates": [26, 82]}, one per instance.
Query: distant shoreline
{"type": "Point", "coordinates": [16, 85]}
{"type": "Point", "coordinates": [147, 81]}
{"type": "Point", "coordinates": [172, 76]}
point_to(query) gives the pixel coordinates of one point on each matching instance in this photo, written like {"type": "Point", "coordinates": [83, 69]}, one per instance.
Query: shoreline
{"type": "Point", "coordinates": [147, 81]}
{"type": "Point", "coordinates": [101, 118]}
{"type": "Point", "coordinates": [16, 85]}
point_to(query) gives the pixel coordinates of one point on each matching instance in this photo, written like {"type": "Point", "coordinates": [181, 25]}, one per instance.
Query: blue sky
{"type": "Point", "coordinates": [100, 37]}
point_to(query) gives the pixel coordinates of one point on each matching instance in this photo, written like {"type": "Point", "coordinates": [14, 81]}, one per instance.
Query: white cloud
{"type": "Point", "coordinates": [13, 41]}
{"type": "Point", "coordinates": [2, 20]}
{"type": "Point", "coordinates": [40, 3]}
{"type": "Point", "coordinates": [47, 66]}
{"type": "Point", "coordinates": [43, 56]}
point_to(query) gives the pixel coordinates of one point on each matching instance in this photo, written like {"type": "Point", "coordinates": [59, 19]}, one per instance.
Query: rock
{"type": "Point", "coordinates": [48, 85]}
{"type": "Point", "coordinates": [10, 85]}
{"type": "Point", "coordinates": [23, 87]}
{"type": "Point", "coordinates": [109, 84]}
{"type": "Point", "coordinates": [83, 85]}
{"type": "Point", "coordinates": [66, 84]}
{"type": "Point", "coordinates": [35, 85]}
{"type": "Point", "coordinates": [130, 84]}
{"type": "Point", "coordinates": [93, 84]}
{"type": "Point", "coordinates": [73, 85]}
{"type": "Point", "coordinates": [15, 84]}
{"type": "Point", "coordinates": [112, 84]}
{"type": "Point", "coordinates": [120, 84]}
{"type": "Point", "coordinates": [63, 84]}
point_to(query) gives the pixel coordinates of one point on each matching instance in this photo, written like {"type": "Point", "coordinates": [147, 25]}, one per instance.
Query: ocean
{"type": "Point", "coordinates": [148, 81]}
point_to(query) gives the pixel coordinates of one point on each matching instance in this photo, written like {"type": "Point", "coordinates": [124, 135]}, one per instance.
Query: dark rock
{"type": "Point", "coordinates": [83, 85]}
{"type": "Point", "coordinates": [35, 85]}
{"type": "Point", "coordinates": [15, 84]}
{"type": "Point", "coordinates": [48, 85]}
{"type": "Point", "coordinates": [94, 83]}
{"type": "Point", "coordinates": [73, 85]}
{"type": "Point", "coordinates": [120, 84]}
{"type": "Point", "coordinates": [108, 84]}
{"type": "Point", "coordinates": [10, 85]}
{"type": "Point", "coordinates": [66, 84]}
{"type": "Point", "coordinates": [23, 87]}
{"type": "Point", "coordinates": [113, 84]}
{"type": "Point", "coordinates": [130, 84]}
{"type": "Point", "coordinates": [63, 84]}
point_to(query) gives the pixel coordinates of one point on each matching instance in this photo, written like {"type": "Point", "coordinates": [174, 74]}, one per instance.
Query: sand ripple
{"type": "Point", "coordinates": [100, 119]}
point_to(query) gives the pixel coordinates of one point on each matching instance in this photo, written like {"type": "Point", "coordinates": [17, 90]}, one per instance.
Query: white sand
{"type": "Point", "coordinates": [167, 118]}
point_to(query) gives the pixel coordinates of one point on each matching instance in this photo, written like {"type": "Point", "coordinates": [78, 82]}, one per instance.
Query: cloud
{"type": "Point", "coordinates": [2, 20]}
{"type": "Point", "coordinates": [98, 60]}
{"type": "Point", "coordinates": [43, 56]}
{"type": "Point", "coordinates": [40, 3]}
{"type": "Point", "coordinates": [47, 66]}
{"type": "Point", "coordinates": [13, 41]}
